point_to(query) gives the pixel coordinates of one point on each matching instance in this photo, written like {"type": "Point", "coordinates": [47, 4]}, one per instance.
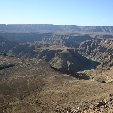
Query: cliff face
{"type": "Point", "coordinates": [98, 49]}
{"type": "Point", "coordinates": [59, 50]}
{"type": "Point", "coordinates": [71, 61]}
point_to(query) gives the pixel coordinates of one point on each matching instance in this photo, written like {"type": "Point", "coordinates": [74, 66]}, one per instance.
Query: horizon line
{"type": "Point", "coordinates": [58, 25]}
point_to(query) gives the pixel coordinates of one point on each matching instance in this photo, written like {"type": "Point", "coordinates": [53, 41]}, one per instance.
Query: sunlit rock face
{"type": "Point", "coordinates": [71, 61]}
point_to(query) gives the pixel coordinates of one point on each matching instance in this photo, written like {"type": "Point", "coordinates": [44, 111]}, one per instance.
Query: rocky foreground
{"type": "Point", "coordinates": [102, 106]}
{"type": "Point", "coordinates": [31, 86]}
{"type": "Point", "coordinates": [56, 73]}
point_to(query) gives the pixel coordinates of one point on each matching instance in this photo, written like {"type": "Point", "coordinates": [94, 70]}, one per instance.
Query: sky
{"type": "Point", "coordinates": [57, 12]}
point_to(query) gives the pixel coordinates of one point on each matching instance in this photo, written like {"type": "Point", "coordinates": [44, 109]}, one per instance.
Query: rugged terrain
{"type": "Point", "coordinates": [56, 72]}
{"type": "Point", "coordinates": [31, 86]}
{"type": "Point", "coordinates": [98, 49]}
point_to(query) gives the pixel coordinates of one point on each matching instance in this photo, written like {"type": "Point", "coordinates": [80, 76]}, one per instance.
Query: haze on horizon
{"type": "Point", "coordinates": [57, 12]}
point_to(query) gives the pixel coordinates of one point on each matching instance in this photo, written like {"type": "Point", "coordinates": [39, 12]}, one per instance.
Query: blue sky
{"type": "Point", "coordinates": [58, 12]}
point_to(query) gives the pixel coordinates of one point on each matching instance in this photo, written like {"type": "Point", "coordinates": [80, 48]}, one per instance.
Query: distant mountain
{"type": "Point", "coordinates": [54, 28]}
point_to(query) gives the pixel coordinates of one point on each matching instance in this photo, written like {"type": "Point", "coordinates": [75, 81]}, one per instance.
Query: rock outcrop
{"type": "Point", "coordinates": [99, 50]}
{"type": "Point", "coordinates": [70, 61]}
